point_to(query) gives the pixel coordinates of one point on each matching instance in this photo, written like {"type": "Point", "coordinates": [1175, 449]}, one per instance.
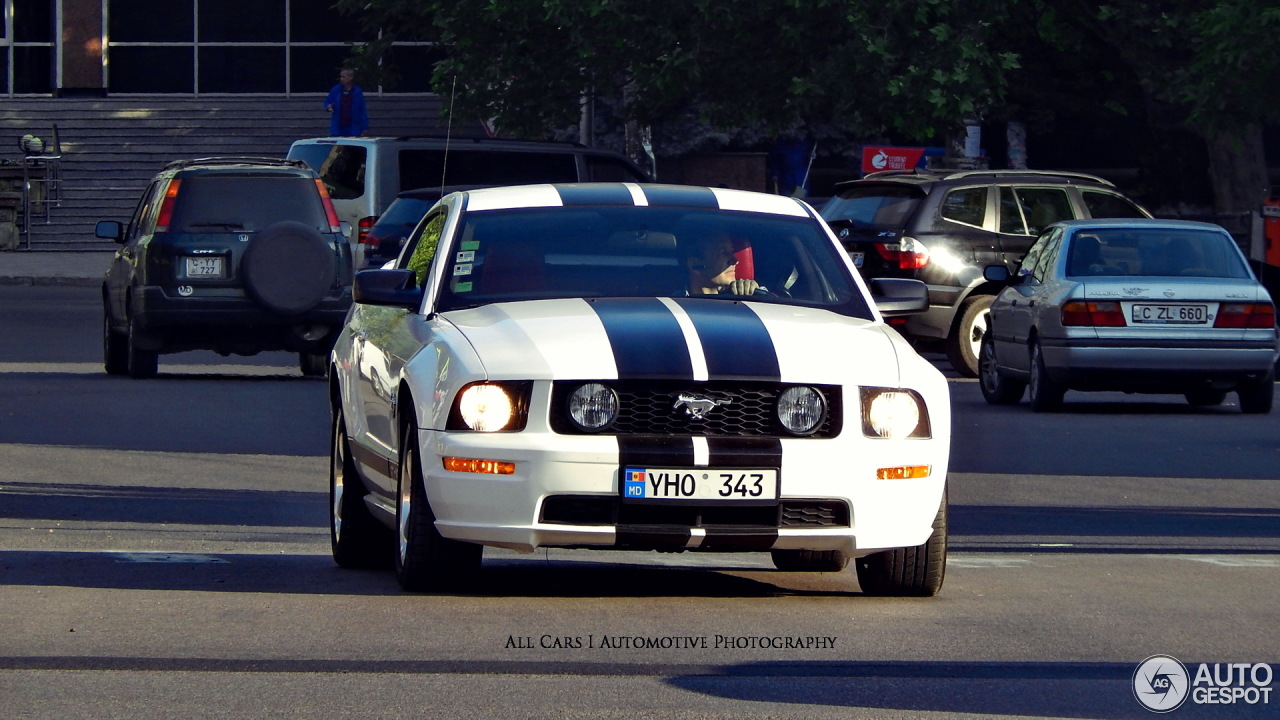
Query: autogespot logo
{"type": "Point", "coordinates": [1160, 683]}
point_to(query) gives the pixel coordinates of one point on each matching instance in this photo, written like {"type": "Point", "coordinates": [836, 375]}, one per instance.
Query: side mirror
{"type": "Point", "coordinates": [899, 296]}
{"type": "Point", "coordinates": [110, 230]}
{"type": "Point", "coordinates": [390, 288]}
{"type": "Point", "coordinates": [995, 273]}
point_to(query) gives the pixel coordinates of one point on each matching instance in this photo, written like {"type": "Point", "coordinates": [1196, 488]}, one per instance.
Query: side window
{"type": "Point", "coordinates": [1051, 244]}
{"type": "Point", "coordinates": [424, 247]}
{"type": "Point", "coordinates": [144, 213]}
{"type": "Point", "coordinates": [1043, 207]}
{"type": "Point", "coordinates": [966, 205]}
{"type": "Point", "coordinates": [1011, 220]}
{"type": "Point", "coordinates": [1108, 205]}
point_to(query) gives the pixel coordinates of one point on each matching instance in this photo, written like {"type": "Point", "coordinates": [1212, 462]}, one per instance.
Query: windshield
{"type": "Point", "coordinates": [874, 206]}
{"type": "Point", "coordinates": [1155, 252]}
{"type": "Point", "coordinates": [564, 252]}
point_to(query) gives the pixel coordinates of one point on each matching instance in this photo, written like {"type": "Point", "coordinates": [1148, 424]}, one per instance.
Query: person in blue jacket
{"type": "Point", "coordinates": [345, 103]}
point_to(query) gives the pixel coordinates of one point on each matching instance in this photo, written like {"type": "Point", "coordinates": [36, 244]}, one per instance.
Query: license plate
{"type": "Point", "coordinates": [857, 258]}
{"type": "Point", "coordinates": [204, 267]}
{"type": "Point", "coordinates": [1171, 314]}
{"type": "Point", "coordinates": [736, 484]}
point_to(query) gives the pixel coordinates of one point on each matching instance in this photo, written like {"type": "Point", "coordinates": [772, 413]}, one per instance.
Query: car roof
{"type": "Point", "coordinates": [237, 161]}
{"type": "Point", "coordinates": [630, 194]}
{"type": "Point", "coordinates": [920, 176]}
{"type": "Point", "coordinates": [1152, 223]}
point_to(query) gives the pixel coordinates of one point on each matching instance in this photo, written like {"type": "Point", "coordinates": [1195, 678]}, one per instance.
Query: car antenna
{"type": "Point", "coordinates": [448, 133]}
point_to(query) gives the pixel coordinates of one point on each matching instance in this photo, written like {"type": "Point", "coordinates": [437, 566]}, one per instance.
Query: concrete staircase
{"type": "Point", "coordinates": [111, 147]}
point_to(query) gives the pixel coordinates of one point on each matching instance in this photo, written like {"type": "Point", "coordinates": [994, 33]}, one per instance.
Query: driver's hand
{"type": "Point", "coordinates": [744, 287]}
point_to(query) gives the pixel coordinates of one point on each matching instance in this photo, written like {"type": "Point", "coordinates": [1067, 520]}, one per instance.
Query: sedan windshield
{"type": "Point", "coordinates": [611, 252]}
{"type": "Point", "coordinates": [1155, 252]}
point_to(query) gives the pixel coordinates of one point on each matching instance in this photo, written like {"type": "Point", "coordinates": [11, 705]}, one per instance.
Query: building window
{"type": "Point", "coordinates": [26, 47]}
{"type": "Point", "coordinates": [237, 46]}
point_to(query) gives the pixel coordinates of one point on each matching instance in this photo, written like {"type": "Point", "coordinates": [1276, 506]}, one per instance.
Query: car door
{"type": "Point", "coordinates": [1021, 302]}
{"type": "Point", "coordinates": [122, 274]}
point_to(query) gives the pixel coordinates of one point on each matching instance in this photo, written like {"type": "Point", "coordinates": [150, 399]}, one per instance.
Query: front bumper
{"type": "Point", "coordinates": [565, 493]}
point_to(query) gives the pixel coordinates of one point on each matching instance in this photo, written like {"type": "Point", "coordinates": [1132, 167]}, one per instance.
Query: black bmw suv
{"type": "Point", "coordinates": [237, 255]}
{"type": "Point", "coordinates": [944, 227]}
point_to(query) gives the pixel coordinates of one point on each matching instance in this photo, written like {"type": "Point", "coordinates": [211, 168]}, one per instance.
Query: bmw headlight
{"type": "Point", "coordinates": [593, 407]}
{"type": "Point", "coordinates": [486, 408]}
{"type": "Point", "coordinates": [892, 414]}
{"type": "Point", "coordinates": [801, 409]}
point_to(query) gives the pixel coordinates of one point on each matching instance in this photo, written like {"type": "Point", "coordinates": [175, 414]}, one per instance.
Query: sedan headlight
{"type": "Point", "coordinates": [486, 407]}
{"type": "Point", "coordinates": [801, 409]}
{"type": "Point", "coordinates": [593, 407]}
{"type": "Point", "coordinates": [892, 414]}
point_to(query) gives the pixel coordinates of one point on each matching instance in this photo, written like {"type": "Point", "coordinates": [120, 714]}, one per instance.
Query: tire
{"type": "Point", "coordinates": [356, 537]}
{"type": "Point", "coordinates": [908, 572]}
{"type": "Point", "coordinates": [1256, 397]}
{"type": "Point", "coordinates": [809, 560]}
{"type": "Point", "coordinates": [1045, 394]}
{"type": "Point", "coordinates": [425, 559]}
{"type": "Point", "coordinates": [313, 364]}
{"type": "Point", "coordinates": [139, 363]}
{"type": "Point", "coordinates": [115, 349]}
{"type": "Point", "coordinates": [997, 389]}
{"type": "Point", "coordinates": [288, 268]}
{"type": "Point", "coordinates": [966, 337]}
{"type": "Point", "coordinates": [1205, 398]}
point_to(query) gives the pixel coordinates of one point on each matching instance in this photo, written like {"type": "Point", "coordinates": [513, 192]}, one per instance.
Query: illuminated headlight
{"type": "Point", "coordinates": [893, 414]}
{"type": "Point", "coordinates": [486, 408]}
{"type": "Point", "coordinates": [801, 409]}
{"type": "Point", "coordinates": [593, 407]}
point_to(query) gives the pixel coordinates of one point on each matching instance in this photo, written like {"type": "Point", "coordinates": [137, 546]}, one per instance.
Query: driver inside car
{"type": "Point", "coordinates": [713, 268]}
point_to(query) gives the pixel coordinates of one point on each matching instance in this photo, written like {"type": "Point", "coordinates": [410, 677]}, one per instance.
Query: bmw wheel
{"type": "Point", "coordinates": [425, 559]}
{"type": "Point", "coordinates": [966, 337]}
{"type": "Point", "coordinates": [1045, 393]}
{"type": "Point", "coordinates": [356, 537]}
{"type": "Point", "coordinates": [997, 389]}
{"type": "Point", "coordinates": [915, 571]}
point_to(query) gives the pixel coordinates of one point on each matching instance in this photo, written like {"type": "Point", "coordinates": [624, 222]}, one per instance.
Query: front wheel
{"type": "Point", "coordinates": [966, 339]}
{"type": "Point", "coordinates": [908, 572]}
{"type": "Point", "coordinates": [356, 537]}
{"type": "Point", "coordinates": [1045, 393]}
{"type": "Point", "coordinates": [425, 559]}
{"type": "Point", "coordinates": [997, 389]}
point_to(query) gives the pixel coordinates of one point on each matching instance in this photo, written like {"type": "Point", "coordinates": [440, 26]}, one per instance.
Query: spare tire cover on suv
{"type": "Point", "coordinates": [288, 267]}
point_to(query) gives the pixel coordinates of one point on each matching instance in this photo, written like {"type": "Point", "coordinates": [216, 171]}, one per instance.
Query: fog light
{"type": "Point", "coordinates": [593, 407]}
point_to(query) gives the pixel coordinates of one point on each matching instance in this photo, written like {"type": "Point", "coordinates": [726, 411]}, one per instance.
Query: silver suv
{"type": "Point", "coordinates": [944, 227]}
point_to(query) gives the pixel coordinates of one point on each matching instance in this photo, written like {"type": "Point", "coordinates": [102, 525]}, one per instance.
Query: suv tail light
{"type": "Point", "coordinates": [166, 205]}
{"type": "Point", "coordinates": [366, 224]}
{"type": "Point", "coordinates": [335, 225]}
{"type": "Point", "coordinates": [1092, 314]}
{"type": "Point", "coordinates": [1246, 315]}
{"type": "Point", "coordinates": [908, 253]}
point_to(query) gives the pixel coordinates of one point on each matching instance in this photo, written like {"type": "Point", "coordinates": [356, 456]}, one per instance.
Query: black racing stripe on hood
{"type": "Point", "coordinates": [734, 340]}
{"type": "Point", "coordinates": [647, 341]}
{"type": "Point", "coordinates": [744, 452]}
{"type": "Point", "coordinates": [646, 451]}
{"type": "Point", "coordinates": [681, 196]}
{"type": "Point", "coordinates": [595, 194]}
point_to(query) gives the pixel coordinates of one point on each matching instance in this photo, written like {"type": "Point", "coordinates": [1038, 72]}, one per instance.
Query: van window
{"type": "Point", "coordinates": [427, 168]}
{"type": "Point", "coordinates": [340, 166]}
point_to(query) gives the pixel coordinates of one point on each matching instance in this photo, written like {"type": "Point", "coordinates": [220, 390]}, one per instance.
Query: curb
{"type": "Point", "coordinates": [51, 281]}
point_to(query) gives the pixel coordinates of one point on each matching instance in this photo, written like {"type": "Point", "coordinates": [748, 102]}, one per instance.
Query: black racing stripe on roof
{"type": "Point", "coordinates": [680, 196]}
{"type": "Point", "coordinates": [595, 194]}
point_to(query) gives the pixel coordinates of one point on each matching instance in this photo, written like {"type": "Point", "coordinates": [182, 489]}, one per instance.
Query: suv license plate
{"type": "Point", "coordinates": [204, 267]}
{"type": "Point", "coordinates": [737, 484]}
{"type": "Point", "coordinates": [1170, 314]}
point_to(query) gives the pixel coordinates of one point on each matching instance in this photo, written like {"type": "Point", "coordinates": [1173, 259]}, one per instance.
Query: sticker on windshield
{"type": "Point", "coordinates": [466, 256]}
{"type": "Point", "coordinates": [461, 287]}
{"type": "Point", "coordinates": [462, 269]}
{"type": "Point", "coordinates": [470, 244]}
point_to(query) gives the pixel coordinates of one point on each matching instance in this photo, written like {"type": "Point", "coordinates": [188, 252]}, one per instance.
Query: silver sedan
{"type": "Point", "coordinates": [1146, 306]}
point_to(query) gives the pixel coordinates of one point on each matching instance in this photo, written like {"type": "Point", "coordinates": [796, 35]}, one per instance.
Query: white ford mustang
{"type": "Point", "coordinates": [635, 366]}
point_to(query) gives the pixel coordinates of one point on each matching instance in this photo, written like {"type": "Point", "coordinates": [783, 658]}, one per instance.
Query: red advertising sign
{"type": "Point", "coordinates": [878, 157]}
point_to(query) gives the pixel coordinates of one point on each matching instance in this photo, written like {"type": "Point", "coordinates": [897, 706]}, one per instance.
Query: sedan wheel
{"type": "Point", "coordinates": [997, 389]}
{"type": "Point", "coordinates": [357, 539]}
{"type": "Point", "coordinates": [915, 571]}
{"type": "Point", "coordinates": [425, 559]}
{"type": "Point", "coordinates": [1045, 393]}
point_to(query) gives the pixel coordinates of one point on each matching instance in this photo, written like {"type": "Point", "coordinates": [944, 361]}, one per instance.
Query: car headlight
{"type": "Point", "coordinates": [801, 409]}
{"type": "Point", "coordinates": [486, 408]}
{"type": "Point", "coordinates": [593, 407]}
{"type": "Point", "coordinates": [892, 414]}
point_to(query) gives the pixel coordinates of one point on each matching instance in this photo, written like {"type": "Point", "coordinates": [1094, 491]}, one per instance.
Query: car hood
{"type": "Point", "coordinates": [677, 338]}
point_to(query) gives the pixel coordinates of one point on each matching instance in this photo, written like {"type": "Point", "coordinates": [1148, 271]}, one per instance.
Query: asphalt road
{"type": "Point", "coordinates": [164, 553]}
